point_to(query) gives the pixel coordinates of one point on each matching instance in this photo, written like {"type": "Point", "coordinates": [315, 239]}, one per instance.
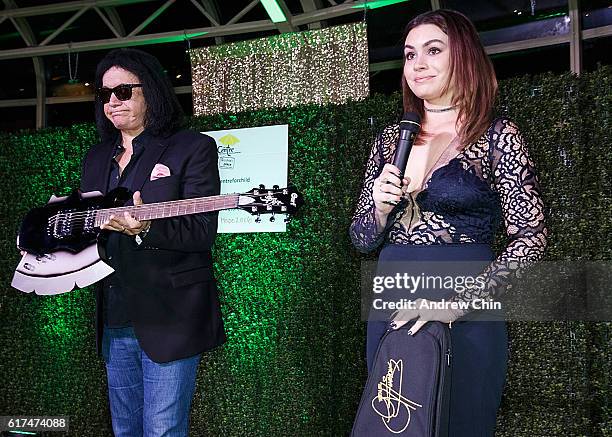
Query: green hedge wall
{"type": "Point", "coordinates": [294, 363]}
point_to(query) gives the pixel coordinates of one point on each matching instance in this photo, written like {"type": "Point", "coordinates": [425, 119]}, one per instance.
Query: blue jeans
{"type": "Point", "coordinates": [146, 398]}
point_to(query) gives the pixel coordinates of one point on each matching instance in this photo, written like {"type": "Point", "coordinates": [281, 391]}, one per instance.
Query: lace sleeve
{"type": "Point", "coordinates": [363, 230]}
{"type": "Point", "coordinates": [514, 178]}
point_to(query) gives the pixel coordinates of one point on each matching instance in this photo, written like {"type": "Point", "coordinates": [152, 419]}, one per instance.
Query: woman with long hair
{"type": "Point", "coordinates": [467, 173]}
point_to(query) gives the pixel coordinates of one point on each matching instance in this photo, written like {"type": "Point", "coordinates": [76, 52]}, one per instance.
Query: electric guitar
{"type": "Point", "coordinates": [60, 239]}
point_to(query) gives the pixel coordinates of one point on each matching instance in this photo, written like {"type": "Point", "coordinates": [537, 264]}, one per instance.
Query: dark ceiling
{"type": "Point", "coordinates": [385, 28]}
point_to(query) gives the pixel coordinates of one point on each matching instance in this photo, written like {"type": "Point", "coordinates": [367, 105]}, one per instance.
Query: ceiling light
{"type": "Point", "coordinates": [274, 11]}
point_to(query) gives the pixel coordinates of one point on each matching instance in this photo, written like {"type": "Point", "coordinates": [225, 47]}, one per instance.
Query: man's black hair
{"type": "Point", "coordinates": [164, 114]}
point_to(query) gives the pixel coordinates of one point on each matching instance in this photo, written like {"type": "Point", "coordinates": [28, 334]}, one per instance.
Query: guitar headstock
{"type": "Point", "coordinates": [273, 200]}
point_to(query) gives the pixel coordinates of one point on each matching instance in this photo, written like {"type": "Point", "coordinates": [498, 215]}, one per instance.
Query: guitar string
{"type": "Point", "coordinates": [77, 220]}
{"type": "Point", "coordinates": [158, 204]}
{"type": "Point", "coordinates": [143, 212]}
{"type": "Point", "coordinates": [80, 217]}
{"type": "Point", "coordinates": [98, 218]}
{"type": "Point", "coordinates": [181, 202]}
{"type": "Point", "coordinates": [152, 206]}
{"type": "Point", "coordinates": [79, 224]}
{"type": "Point", "coordinates": [140, 213]}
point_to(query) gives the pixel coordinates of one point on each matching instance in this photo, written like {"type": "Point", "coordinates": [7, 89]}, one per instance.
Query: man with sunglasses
{"type": "Point", "coordinates": [160, 309]}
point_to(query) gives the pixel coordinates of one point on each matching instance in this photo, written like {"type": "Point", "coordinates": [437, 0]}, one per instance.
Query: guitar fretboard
{"type": "Point", "coordinates": [175, 208]}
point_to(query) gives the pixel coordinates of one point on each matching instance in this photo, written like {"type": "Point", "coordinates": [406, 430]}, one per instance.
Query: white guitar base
{"type": "Point", "coordinates": [59, 272]}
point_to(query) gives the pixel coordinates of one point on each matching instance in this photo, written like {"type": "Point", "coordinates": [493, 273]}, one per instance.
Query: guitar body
{"type": "Point", "coordinates": [66, 223]}
{"type": "Point", "coordinates": [60, 271]}
{"type": "Point", "coordinates": [61, 243]}
{"type": "Point", "coordinates": [60, 239]}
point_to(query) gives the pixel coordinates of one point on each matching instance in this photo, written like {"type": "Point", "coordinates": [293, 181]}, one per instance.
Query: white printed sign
{"type": "Point", "coordinates": [248, 158]}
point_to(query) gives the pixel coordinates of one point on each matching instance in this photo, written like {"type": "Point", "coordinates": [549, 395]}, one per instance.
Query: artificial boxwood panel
{"type": "Point", "coordinates": [294, 362]}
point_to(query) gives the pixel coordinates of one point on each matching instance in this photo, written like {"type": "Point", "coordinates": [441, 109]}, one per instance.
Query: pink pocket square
{"type": "Point", "coordinates": [159, 171]}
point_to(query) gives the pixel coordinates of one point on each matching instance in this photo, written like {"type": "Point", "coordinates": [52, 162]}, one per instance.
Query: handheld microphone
{"type": "Point", "coordinates": [409, 128]}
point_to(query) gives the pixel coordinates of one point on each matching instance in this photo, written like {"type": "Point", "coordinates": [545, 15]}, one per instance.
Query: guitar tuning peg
{"type": "Point", "coordinates": [262, 187]}
{"type": "Point", "coordinates": [275, 187]}
{"type": "Point", "coordinates": [272, 219]}
{"type": "Point", "coordinates": [258, 219]}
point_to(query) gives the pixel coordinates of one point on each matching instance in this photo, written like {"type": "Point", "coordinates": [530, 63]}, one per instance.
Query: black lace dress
{"type": "Point", "coordinates": [465, 198]}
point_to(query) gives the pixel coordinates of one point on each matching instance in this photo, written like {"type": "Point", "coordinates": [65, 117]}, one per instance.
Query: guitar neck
{"type": "Point", "coordinates": [174, 208]}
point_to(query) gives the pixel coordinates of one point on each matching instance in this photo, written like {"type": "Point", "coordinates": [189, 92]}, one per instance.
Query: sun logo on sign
{"type": "Point", "coordinates": [226, 149]}
{"type": "Point", "coordinates": [227, 145]}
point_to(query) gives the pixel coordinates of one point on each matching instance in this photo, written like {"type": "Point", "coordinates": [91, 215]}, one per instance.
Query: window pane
{"type": "Point", "coordinates": [488, 15]}
{"type": "Point", "coordinates": [540, 60]}
{"type": "Point", "coordinates": [21, 117]}
{"type": "Point", "coordinates": [596, 52]}
{"type": "Point", "coordinates": [66, 114]}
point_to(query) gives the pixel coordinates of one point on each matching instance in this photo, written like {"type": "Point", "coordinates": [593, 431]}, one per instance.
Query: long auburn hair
{"type": "Point", "coordinates": [471, 73]}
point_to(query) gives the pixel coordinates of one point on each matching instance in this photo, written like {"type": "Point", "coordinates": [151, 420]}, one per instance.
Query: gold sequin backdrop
{"type": "Point", "coordinates": [319, 66]}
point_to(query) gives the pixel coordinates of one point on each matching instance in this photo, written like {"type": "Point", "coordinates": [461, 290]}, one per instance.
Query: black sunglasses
{"type": "Point", "coordinates": [122, 92]}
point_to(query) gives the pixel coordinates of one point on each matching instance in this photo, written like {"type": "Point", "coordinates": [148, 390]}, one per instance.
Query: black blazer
{"type": "Point", "coordinates": [171, 292]}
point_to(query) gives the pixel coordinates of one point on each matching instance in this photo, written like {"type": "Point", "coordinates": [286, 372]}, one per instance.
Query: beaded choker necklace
{"type": "Point", "coordinates": [450, 108]}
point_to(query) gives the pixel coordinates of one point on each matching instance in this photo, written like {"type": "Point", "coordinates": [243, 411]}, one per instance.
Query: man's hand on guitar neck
{"type": "Point", "coordinates": [127, 224]}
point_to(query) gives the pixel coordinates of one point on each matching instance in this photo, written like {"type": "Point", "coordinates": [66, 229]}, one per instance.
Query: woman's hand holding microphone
{"type": "Point", "coordinates": [387, 192]}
